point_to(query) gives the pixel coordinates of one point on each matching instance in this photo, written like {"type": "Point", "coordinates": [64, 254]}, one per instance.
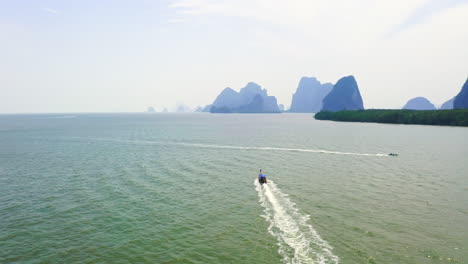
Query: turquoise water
{"type": "Point", "coordinates": [180, 188]}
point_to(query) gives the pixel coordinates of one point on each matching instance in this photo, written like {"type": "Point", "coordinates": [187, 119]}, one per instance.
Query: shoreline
{"type": "Point", "coordinates": [453, 117]}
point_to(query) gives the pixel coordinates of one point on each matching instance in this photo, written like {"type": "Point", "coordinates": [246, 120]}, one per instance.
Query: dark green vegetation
{"type": "Point", "coordinates": [457, 117]}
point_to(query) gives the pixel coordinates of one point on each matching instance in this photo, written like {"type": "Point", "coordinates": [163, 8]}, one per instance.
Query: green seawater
{"type": "Point", "coordinates": [180, 188]}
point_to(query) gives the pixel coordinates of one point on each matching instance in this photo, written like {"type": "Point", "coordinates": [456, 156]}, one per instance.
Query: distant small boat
{"type": "Point", "coordinates": [393, 154]}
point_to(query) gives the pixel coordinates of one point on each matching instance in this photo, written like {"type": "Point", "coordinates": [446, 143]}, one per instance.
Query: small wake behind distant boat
{"type": "Point", "coordinates": [262, 178]}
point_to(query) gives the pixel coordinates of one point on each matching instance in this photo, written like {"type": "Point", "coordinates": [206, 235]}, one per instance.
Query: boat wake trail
{"type": "Point", "coordinates": [297, 240]}
{"type": "Point", "coordinates": [279, 149]}
{"type": "Point", "coordinates": [199, 145]}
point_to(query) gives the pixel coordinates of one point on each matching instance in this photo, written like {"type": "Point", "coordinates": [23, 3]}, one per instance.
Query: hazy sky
{"type": "Point", "coordinates": [115, 56]}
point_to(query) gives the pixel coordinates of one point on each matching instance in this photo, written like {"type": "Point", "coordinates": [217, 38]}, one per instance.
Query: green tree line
{"type": "Point", "coordinates": [456, 117]}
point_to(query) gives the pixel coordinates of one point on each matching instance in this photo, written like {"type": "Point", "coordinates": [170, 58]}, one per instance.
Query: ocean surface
{"type": "Point", "coordinates": [181, 188]}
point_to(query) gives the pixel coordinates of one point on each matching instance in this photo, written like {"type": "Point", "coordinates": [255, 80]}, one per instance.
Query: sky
{"type": "Point", "coordinates": [126, 55]}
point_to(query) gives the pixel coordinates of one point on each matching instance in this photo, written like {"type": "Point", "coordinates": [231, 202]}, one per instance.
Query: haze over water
{"type": "Point", "coordinates": [180, 188]}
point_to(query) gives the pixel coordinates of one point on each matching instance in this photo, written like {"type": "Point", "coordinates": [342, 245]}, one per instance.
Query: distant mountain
{"type": "Point", "coordinates": [207, 108]}
{"type": "Point", "coordinates": [461, 100]}
{"type": "Point", "coordinates": [251, 99]}
{"type": "Point", "coordinates": [198, 109]}
{"type": "Point", "coordinates": [255, 106]}
{"type": "Point", "coordinates": [448, 104]}
{"type": "Point", "coordinates": [151, 110]}
{"type": "Point", "coordinates": [228, 98]}
{"type": "Point", "coordinates": [281, 107]}
{"type": "Point", "coordinates": [419, 103]}
{"type": "Point", "coordinates": [345, 95]}
{"type": "Point", "coordinates": [309, 95]}
{"type": "Point", "coordinates": [182, 108]}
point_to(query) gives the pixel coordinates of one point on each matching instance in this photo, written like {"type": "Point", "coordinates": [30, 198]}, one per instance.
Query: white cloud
{"type": "Point", "coordinates": [51, 10]}
{"type": "Point", "coordinates": [273, 11]}
{"type": "Point", "coordinates": [356, 19]}
{"type": "Point", "coordinates": [424, 13]}
{"type": "Point", "coordinates": [176, 20]}
{"type": "Point", "coordinates": [321, 16]}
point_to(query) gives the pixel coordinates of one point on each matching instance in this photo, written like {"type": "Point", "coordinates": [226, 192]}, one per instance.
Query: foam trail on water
{"type": "Point", "coordinates": [58, 117]}
{"type": "Point", "coordinates": [280, 149]}
{"type": "Point", "coordinates": [298, 241]}
{"type": "Point", "coordinates": [199, 145]}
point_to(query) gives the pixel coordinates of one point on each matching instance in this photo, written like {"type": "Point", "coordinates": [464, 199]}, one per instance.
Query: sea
{"type": "Point", "coordinates": [181, 188]}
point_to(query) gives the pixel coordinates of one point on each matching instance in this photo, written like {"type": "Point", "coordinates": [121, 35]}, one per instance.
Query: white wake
{"type": "Point", "coordinates": [200, 145]}
{"type": "Point", "coordinates": [297, 240]}
{"type": "Point", "coordinates": [280, 149]}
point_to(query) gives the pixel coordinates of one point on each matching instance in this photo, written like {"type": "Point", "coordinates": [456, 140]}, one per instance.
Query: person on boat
{"type": "Point", "coordinates": [262, 178]}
